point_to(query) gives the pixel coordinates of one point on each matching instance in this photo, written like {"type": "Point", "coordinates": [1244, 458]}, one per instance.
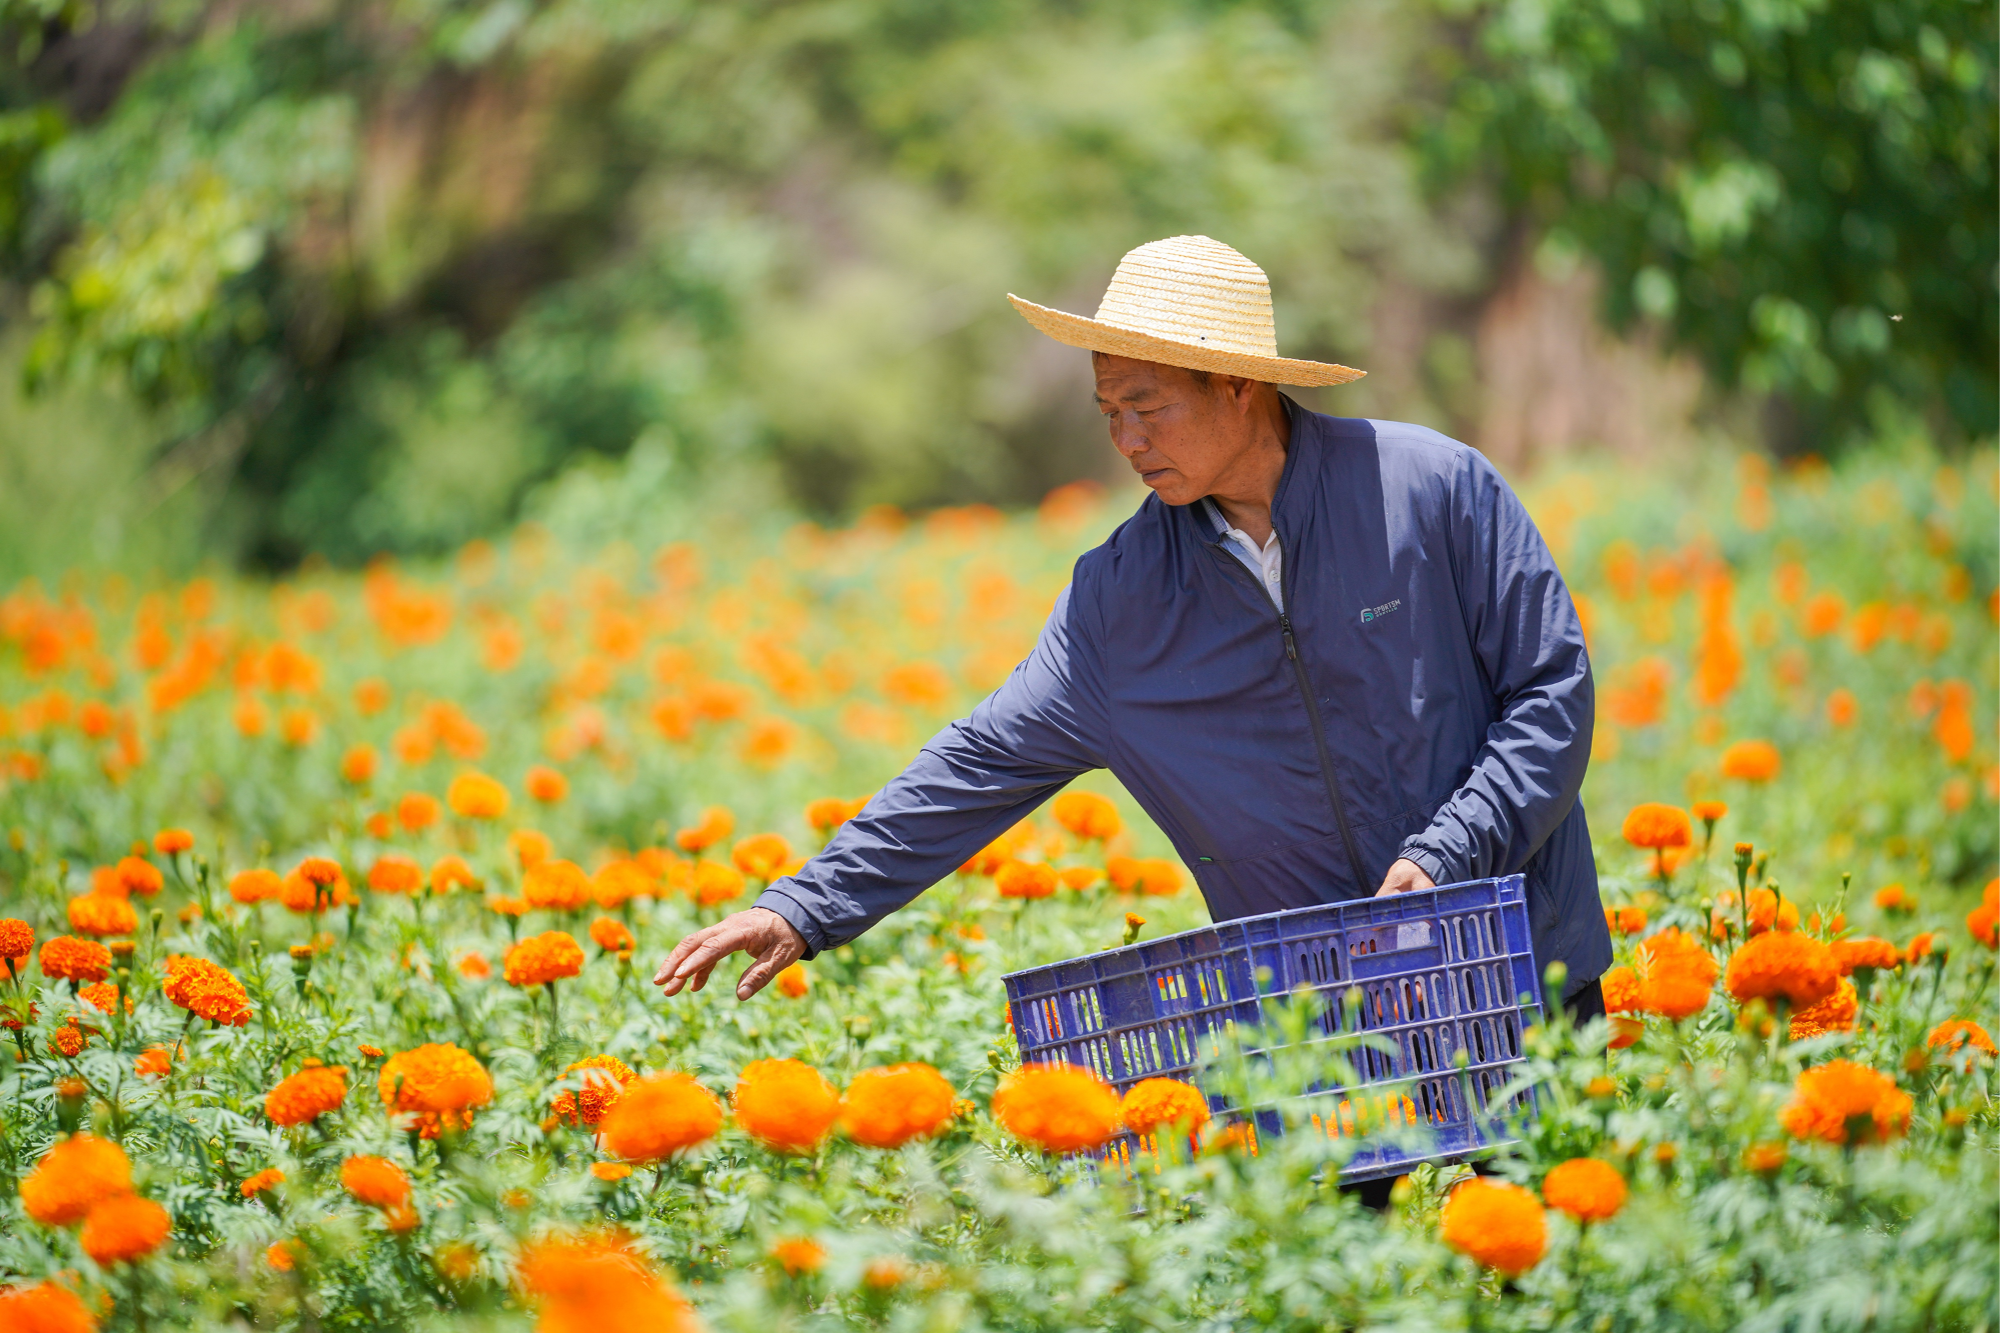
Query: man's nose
{"type": "Point", "coordinates": [1126, 436]}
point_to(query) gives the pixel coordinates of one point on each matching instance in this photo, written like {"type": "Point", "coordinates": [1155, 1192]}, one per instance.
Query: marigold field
{"type": "Point", "coordinates": [331, 905]}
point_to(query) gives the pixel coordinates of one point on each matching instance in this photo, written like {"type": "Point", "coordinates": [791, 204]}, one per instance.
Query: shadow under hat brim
{"type": "Point", "coordinates": [1096, 336]}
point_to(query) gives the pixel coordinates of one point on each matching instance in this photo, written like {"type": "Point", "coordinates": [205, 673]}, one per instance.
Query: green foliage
{"type": "Point", "coordinates": [1801, 193]}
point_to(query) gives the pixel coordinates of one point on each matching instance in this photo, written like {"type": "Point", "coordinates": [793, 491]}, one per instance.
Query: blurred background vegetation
{"type": "Point", "coordinates": [320, 278]}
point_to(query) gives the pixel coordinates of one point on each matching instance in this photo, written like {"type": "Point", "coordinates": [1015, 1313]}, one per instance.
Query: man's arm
{"type": "Point", "coordinates": [1529, 642]}
{"type": "Point", "coordinates": [970, 783]}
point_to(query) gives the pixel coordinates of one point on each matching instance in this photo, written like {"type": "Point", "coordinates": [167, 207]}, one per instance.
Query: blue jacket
{"type": "Point", "coordinates": [1425, 695]}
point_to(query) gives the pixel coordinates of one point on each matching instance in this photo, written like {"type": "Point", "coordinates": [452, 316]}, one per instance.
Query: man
{"type": "Point", "coordinates": [1330, 657]}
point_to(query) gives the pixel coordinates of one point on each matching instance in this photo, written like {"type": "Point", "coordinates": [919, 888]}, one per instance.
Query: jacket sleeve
{"type": "Point", "coordinates": [970, 783]}
{"type": "Point", "coordinates": [1527, 639]}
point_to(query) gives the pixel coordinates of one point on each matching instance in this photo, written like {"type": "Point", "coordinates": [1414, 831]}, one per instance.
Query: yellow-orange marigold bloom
{"type": "Point", "coordinates": [797, 1254]}
{"type": "Point", "coordinates": [1087, 815]}
{"type": "Point", "coordinates": [611, 935]}
{"type": "Point", "coordinates": [1708, 812]}
{"type": "Point", "coordinates": [170, 840]}
{"type": "Point", "coordinates": [660, 1116]}
{"type": "Point", "coordinates": [476, 796]}
{"type": "Point", "coordinates": [206, 990]}
{"type": "Point", "coordinates": [793, 983]}
{"type": "Point", "coordinates": [716, 883]}
{"type": "Point", "coordinates": [888, 1106]}
{"type": "Point", "coordinates": [154, 1061]}
{"type": "Point", "coordinates": [280, 1255]}
{"type": "Point", "coordinates": [73, 1177]}
{"type": "Point", "coordinates": [417, 811]}
{"type": "Point", "coordinates": [473, 965]}
{"type": "Point", "coordinates": [269, 1178]}
{"type": "Point", "coordinates": [546, 785]}
{"type": "Point", "coordinates": [1894, 898]}
{"type": "Point", "coordinates": [1751, 761]}
{"type": "Point", "coordinates": [1833, 1014]}
{"type": "Point", "coordinates": [451, 872]}
{"type": "Point", "coordinates": [320, 870]}
{"type": "Point", "coordinates": [1625, 920]}
{"type": "Point", "coordinates": [375, 1181]}
{"type": "Point", "coordinates": [395, 873]}
{"type": "Point", "coordinates": [610, 1172]}
{"type": "Point", "coordinates": [1675, 974]}
{"type": "Point", "coordinates": [1653, 825]}
{"type": "Point", "coordinates": [1498, 1225]}
{"type": "Point", "coordinates": [1829, 1097]}
{"type": "Point", "coordinates": [307, 1095]}
{"type": "Point", "coordinates": [1956, 1032]}
{"type": "Point", "coordinates": [829, 812]}
{"type": "Point", "coordinates": [1864, 951]}
{"type": "Point", "coordinates": [254, 886]}
{"type": "Point", "coordinates": [716, 824]}
{"type": "Point", "coordinates": [103, 997]}
{"type": "Point", "coordinates": [618, 882]}
{"type": "Point", "coordinates": [358, 764]}
{"type": "Point", "coordinates": [1079, 878]}
{"type": "Point", "coordinates": [371, 696]}
{"type": "Point", "coordinates": [605, 1078]}
{"type": "Point", "coordinates": [556, 885]}
{"type": "Point", "coordinates": [1920, 947]}
{"type": "Point", "coordinates": [1765, 1158]}
{"type": "Point", "coordinates": [1621, 990]}
{"type": "Point", "coordinates": [1025, 879]}
{"type": "Point", "coordinates": [786, 1105]}
{"type": "Point", "coordinates": [102, 914]}
{"type": "Point", "coordinates": [761, 855]}
{"type": "Point", "coordinates": [140, 876]}
{"type": "Point", "coordinates": [1587, 1189]}
{"type": "Point", "coordinates": [44, 1308]}
{"type": "Point", "coordinates": [590, 1284]}
{"type": "Point", "coordinates": [121, 1229]}
{"type": "Point", "coordinates": [1162, 1103]}
{"type": "Point", "coordinates": [1057, 1108]}
{"type": "Point", "coordinates": [1984, 920]}
{"type": "Point", "coordinates": [17, 942]}
{"type": "Point", "coordinates": [1782, 965]}
{"type": "Point", "coordinates": [531, 847]}
{"type": "Point", "coordinates": [550, 956]}
{"type": "Point", "coordinates": [439, 1084]}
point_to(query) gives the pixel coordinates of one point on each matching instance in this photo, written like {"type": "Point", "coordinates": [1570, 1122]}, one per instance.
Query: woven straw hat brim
{"type": "Point", "coordinates": [1097, 336]}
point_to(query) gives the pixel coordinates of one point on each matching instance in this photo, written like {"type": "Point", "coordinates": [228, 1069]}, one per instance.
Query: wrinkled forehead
{"type": "Point", "coordinates": [1121, 379]}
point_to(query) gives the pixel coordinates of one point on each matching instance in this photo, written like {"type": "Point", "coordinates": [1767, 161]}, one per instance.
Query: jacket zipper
{"type": "Point", "coordinates": [1312, 706]}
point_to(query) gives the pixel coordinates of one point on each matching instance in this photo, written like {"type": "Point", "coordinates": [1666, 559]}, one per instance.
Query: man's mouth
{"type": "Point", "coordinates": [1149, 476]}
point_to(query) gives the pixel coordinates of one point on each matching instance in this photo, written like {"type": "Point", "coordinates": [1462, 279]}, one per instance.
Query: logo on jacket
{"type": "Point", "coordinates": [1369, 613]}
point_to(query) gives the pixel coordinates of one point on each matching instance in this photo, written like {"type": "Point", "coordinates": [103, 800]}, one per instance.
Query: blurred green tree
{"type": "Point", "coordinates": [1801, 192]}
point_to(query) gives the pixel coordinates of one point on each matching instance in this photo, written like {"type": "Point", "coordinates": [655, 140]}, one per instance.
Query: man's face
{"type": "Point", "coordinates": [1177, 434]}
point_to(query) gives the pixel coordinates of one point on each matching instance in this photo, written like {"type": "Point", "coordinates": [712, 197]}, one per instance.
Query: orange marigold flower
{"type": "Point", "coordinates": [269, 1178]}
{"type": "Point", "coordinates": [395, 873]}
{"type": "Point", "coordinates": [786, 1105]}
{"type": "Point", "coordinates": [1782, 965]}
{"type": "Point", "coordinates": [796, 1255]}
{"type": "Point", "coordinates": [417, 811]}
{"type": "Point", "coordinates": [579, 1283]}
{"type": "Point", "coordinates": [476, 796]}
{"type": "Point", "coordinates": [1709, 812]}
{"type": "Point", "coordinates": [1956, 1032]}
{"type": "Point", "coordinates": [320, 870]}
{"type": "Point", "coordinates": [1621, 990]}
{"type": "Point", "coordinates": [280, 1255]}
{"type": "Point", "coordinates": [550, 956]}
{"type": "Point", "coordinates": [1895, 898]}
{"type": "Point", "coordinates": [44, 1308]}
{"type": "Point", "coordinates": [761, 855]}
{"type": "Point", "coordinates": [793, 983]}
{"type": "Point", "coordinates": [451, 872]}
{"type": "Point", "coordinates": [254, 886]}
{"type": "Point", "coordinates": [1087, 815]}
{"type": "Point", "coordinates": [889, 1106]}
{"type": "Point", "coordinates": [358, 764]}
{"type": "Point", "coordinates": [67, 958]}
{"type": "Point", "coordinates": [1765, 1158]}
{"type": "Point", "coordinates": [73, 1177]}
{"type": "Point", "coordinates": [375, 1181]}
{"type": "Point", "coordinates": [1080, 878]}
{"type": "Point", "coordinates": [604, 1078]}
{"type": "Point", "coordinates": [716, 824]}
{"type": "Point", "coordinates": [715, 883]}
{"type": "Point", "coordinates": [829, 812]}
{"type": "Point", "coordinates": [1984, 920]}
{"type": "Point", "coordinates": [1625, 1032]}
{"type": "Point", "coordinates": [885, 1272]}
{"type": "Point", "coordinates": [506, 906]}
{"type": "Point", "coordinates": [1920, 947]}
{"type": "Point", "coordinates": [17, 942]}
{"type": "Point", "coordinates": [206, 991]}
{"type": "Point", "coordinates": [1829, 1099]}
{"type": "Point", "coordinates": [1625, 920]}
{"type": "Point", "coordinates": [1864, 951]}
{"type": "Point", "coordinates": [558, 885]}
{"type": "Point", "coordinates": [618, 882]}
{"type": "Point", "coordinates": [1057, 1108]}
{"type": "Point", "coordinates": [1752, 761]}
{"type": "Point", "coordinates": [301, 894]}
{"type": "Point", "coordinates": [121, 1229]}
{"type": "Point", "coordinates": [140, 877]}
{"type": "Point", "coordinates": [473, 965]}
{"type": "Point", "coordinates": [610, 1172]}
{"type": "Point", "coordinates": [154, 1062]}
{"type": "Point", "coordinates": [170, 840]}
{"type": "Point", "coordinates": [103, 997]}
{"type": "Point", "coordinates": [1025, 879]}
{"type": "Point", "coordinates": [1675, 974]}
{"type": "Point", "coordinates": [439, 1084]}
{"type": "Point", "coordinates": [611, 935]}
{"type": "Point", "coordinates": [1653, 825]}
{"type": "Point", "coordinates": [102, 914]}
{"type": "Point", "coordinates": [546, 785]}
{"type": "Point", "coordinates": [1587, 1189]}
{"type": "Point", "coordinates": [69, 1040]}
{"type": "Point", "coordinates": [1163, 1103]}
{"type": "Point", "coordinates": [1833, 1014]}
{"type": "Point", "coordinates": [307, 1095]}
{"type": "Point", "coordinates": [660, 1116]}
{"type": "Point", "coordinates": [1498, 1225]}
{"type": "Point", "coordinates": [531, 847]}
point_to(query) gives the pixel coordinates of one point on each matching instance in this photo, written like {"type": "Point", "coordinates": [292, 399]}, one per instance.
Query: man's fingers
{"type": "Point", "coordinates": [758, 975]}
{"type": "Point", "coordinates": [687, 946]}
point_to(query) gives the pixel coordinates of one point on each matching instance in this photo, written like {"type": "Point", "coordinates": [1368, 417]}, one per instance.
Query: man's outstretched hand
{"type": "Point", "coordinates": [1403, 877]}
{"type": "Point", "coordinates": [759, 931]}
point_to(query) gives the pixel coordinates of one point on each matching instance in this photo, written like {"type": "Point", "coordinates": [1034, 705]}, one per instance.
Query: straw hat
{"type": "Point", "coordinates": [1190, 302]}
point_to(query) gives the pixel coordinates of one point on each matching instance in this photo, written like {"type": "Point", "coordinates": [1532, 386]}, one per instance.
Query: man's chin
{"type": "Point", "coordinates": [1171, 487]}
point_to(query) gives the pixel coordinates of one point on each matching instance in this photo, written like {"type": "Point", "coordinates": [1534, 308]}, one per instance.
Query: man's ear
{"type": "Point", "coordinates": [1242, 392]}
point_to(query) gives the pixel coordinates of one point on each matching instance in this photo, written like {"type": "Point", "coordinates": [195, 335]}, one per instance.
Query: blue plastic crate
{"type": "Point", "coordinates": [1439, 971]}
